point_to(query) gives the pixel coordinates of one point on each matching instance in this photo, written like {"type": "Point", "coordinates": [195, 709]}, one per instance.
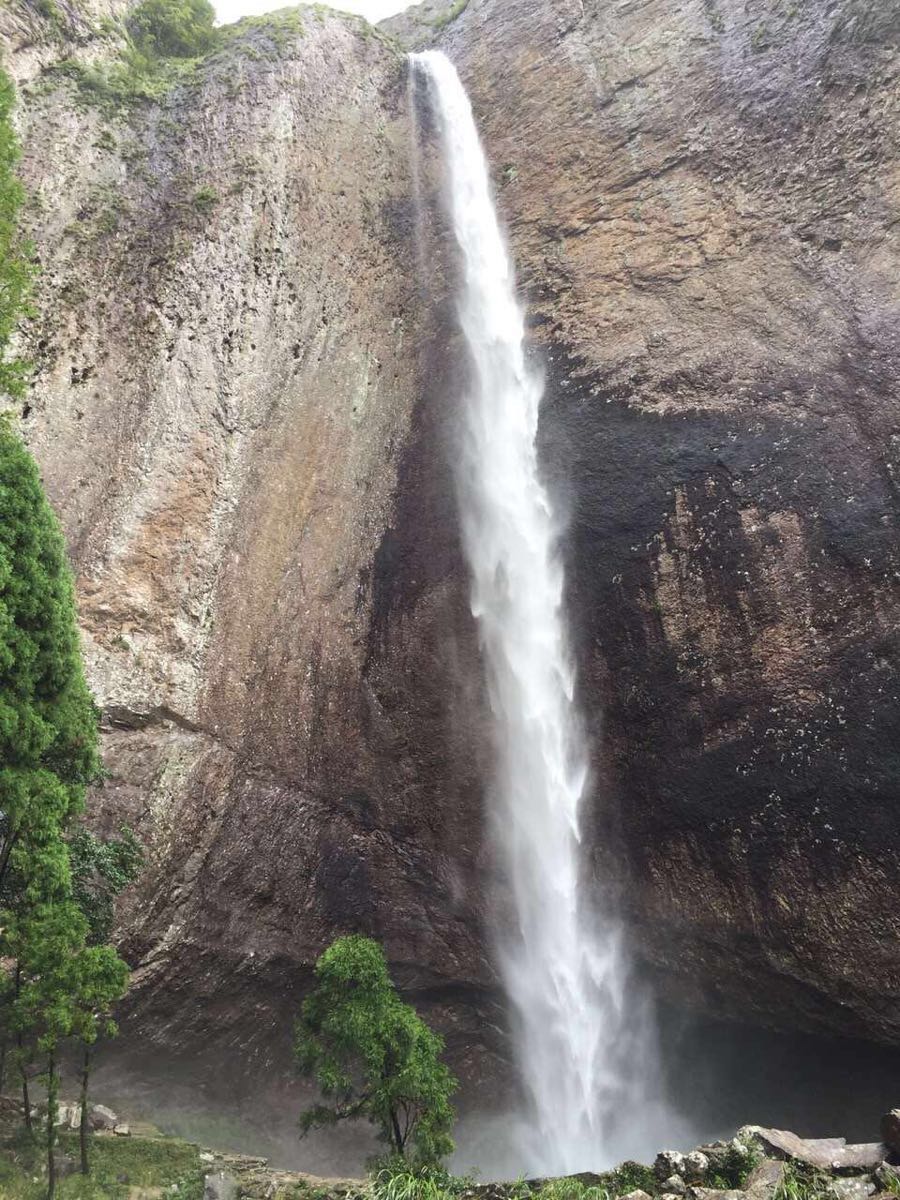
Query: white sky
{"type": "Point", "coordinates": [374, 10]}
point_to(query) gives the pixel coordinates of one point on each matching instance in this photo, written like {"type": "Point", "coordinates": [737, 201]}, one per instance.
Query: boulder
{"type": "Point", "coordinates": [122, 1130]}
{"type": "Point", "coordinates": [220, 1186]}
{"type": "Point", "coordinates": [68, 1116]}
{"type": "Point", "coordinates": [890, 1130]}
{"type": "Point", "coordinates": [637, 1194]}
{"type": "Point", "coordinates": [782, 1144]}
{"type": "Point", "coordinates": [695, 1167]}
{"type": "Point", "coordinates": [668, 1163]}
{"type": "Point", "coordinates": [765, 1178]}
{"type": "Point", "coordinates": [101, 1117]}
{"type": "Point", "coordinates": [674, 1184]}
{"type": "Point", "coordinates": [864, 1156]}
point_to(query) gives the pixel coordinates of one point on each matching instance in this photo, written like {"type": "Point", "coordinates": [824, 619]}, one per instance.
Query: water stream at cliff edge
{"type": "Point", "coordinates": [585, 1051]}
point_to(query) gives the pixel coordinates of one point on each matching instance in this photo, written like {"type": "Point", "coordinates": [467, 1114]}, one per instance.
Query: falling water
{"type": "Point", "coordinates": [584, 1058]}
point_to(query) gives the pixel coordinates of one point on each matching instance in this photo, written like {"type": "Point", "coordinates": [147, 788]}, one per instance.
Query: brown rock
{"type": "Point", "coordinates": [890, 1130]}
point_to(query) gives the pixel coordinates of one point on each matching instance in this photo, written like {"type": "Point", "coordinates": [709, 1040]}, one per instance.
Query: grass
{"type": "Point", "coordinates": [399, 1181]}
{"type": "Point", "coordinates": [117, 1165]}
{"type": "Point", "coordinates": [802, 1183]}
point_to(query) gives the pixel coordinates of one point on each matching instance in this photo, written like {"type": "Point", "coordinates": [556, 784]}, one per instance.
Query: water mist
{"type": "Point", "coordinates": [584, 1050]}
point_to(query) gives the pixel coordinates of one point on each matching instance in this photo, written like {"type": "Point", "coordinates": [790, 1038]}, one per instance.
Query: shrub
{"type": "Point", "coordinates": [173, 28]}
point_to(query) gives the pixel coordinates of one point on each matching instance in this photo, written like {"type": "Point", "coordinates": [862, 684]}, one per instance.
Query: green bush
{"type": "Point", "coordinates": [173, 28]}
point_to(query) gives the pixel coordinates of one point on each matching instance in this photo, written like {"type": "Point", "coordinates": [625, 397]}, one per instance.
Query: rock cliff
{"type": "Point", "coordinates": [244, 370]}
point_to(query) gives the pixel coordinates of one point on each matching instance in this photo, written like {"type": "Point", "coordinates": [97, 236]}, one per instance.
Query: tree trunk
{"type": "Point", "coordinates": [26, 1100]}
{"type": "Point", "coordinates": [83, 1125]}
{"type": "Point", "coordinates": [52, 1110]}
{"type": "Point", "coordinates": [3, 1048]}
{"type": "Point", "coordinates": [20, 1055]}
{"type": "Point", "coordinates": [398, 1140]}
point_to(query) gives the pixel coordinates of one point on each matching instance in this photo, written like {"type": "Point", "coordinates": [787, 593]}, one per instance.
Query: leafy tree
{"type": "Point", "coordinates": [99, 980]}
{"type": "Point", "coordinates": [100, 870]}
{"type": "Point", "coordinates": [372, 1056]}
{"type": "Point", "coordinates": [173, 28]}
{"type": "Point", "coordinates": [15, 254]}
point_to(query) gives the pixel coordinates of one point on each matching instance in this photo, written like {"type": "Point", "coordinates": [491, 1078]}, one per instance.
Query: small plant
{"type": "Point", "coordinates": [759, 39]}
{"type": "Point", "coordinates": [572, 1189]}
{"type": "Point", "coordinates": [733, 1166]}
{"type": "Point", "coordinates": [205, 199]}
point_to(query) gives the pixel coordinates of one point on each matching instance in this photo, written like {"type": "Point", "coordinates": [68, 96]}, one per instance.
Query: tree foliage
{"type": "Point", "coordinates": [15, 253]}
{"type": "Point", "coordinates": [101, 869]}
{"type": "Point", "coordinates": [173, 28]}
{"type": "Point", "coordinates": [48, 721]}
{"type": "Point", "coordinates": [372, 1056]}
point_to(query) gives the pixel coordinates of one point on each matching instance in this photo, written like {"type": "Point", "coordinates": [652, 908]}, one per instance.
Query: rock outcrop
{"type": "Point", "coordinates": [240, 408]}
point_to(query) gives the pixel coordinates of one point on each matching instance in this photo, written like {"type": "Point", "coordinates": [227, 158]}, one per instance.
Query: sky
{"type": "Point", "coordinates": [374, 10]}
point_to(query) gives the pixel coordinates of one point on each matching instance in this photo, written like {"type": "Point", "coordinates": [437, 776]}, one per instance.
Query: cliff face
{"type": "Point", "coordinates": [241, 407]}
{"type": "Point", "coordinates": [227, 373]}
{"type": "Point", "coordinates": [703, 201]}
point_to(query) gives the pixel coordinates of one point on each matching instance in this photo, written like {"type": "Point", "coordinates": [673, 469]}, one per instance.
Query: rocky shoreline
{"type": "Point", "coordinates": [755, 1164]}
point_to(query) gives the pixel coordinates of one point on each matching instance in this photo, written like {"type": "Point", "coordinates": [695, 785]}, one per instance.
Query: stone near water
{"type": "Point", "coordinates": [101, 1117]}
{"type": "Point", "coordinates": [781, 1143]}
{"type": "Point", "coordinates": [696, 1165]}
{"type": "Point", "coordinates": [765, 1177]}
{"type": "Point", "coordinates": [220, 1187]}
{"type": "Point", "coordinates": [668, 1163]}
{"type": "Point", "coordinates": [637, 1194]}
{"type": "Point", "coordinates": [890, 1130]}
{"type": "Point", "coordinates": [675, 1184]}
{"type": "Point", "coordinates": [865, 1156]}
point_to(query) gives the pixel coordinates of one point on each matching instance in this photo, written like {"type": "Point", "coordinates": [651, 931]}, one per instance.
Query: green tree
{"type": "Point", "coordinates": [101, 869]}
{"type": "Point", "coordinates": [372, 1056]}
{"type": "Point", "coordinates": [173, 28]}
{"type": "Point", "coordinates": [15, 253]}
{"type": "Point", "coordinates": [48, 721]}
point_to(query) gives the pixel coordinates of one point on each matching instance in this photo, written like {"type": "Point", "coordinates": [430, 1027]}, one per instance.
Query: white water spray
{"type": "Point", "coordinates": [582, 1055]}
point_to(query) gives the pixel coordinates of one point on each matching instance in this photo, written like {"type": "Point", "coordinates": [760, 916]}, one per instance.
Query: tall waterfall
{"type": "Point", "coordinates": [582, 1056]}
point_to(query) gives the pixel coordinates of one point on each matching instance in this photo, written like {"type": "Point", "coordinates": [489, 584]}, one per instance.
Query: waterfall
{"type": "Point", "coordinates": [584, 1053]}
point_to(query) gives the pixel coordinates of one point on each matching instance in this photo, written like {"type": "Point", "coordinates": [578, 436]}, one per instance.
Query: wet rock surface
{"type": "Point", "coordinates": [703, 207]}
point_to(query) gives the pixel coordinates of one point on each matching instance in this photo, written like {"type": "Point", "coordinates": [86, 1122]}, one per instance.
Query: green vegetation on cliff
{"type": "Point", "coordinates": [372, 1056]}
{"type": "Point", "coordinates": [15, 254]}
